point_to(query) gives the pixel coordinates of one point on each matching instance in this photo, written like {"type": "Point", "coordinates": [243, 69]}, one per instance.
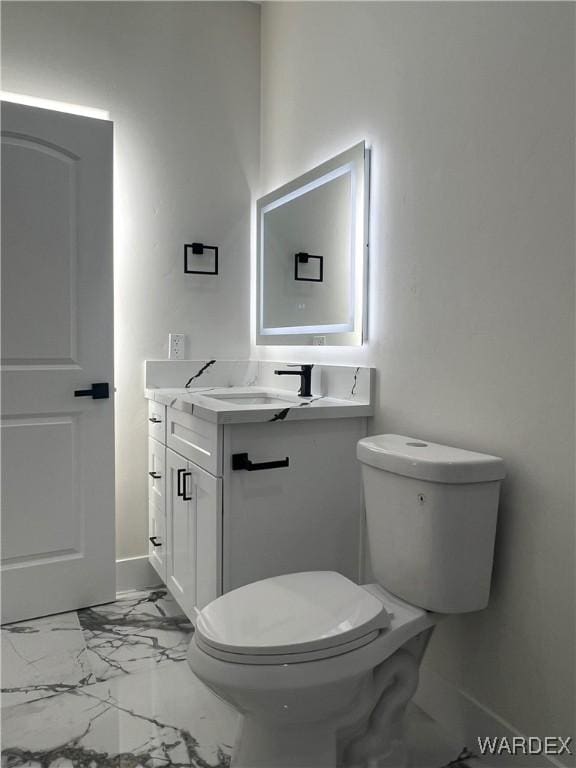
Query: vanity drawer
{"type": "Point", "coordinates": [195, 439]}
{"type": "Point", "coordinates": [157, 539]}
{"type": "Point", "coordinates": [156, 472]}
{"type": "Point", "coordinates": [157, 421]}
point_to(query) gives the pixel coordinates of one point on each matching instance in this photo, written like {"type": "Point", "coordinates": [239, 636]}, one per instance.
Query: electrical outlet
{"type": "Point", "coordinates": [176, 342]}
{"type": "Point", "coordinates": [319, 341]}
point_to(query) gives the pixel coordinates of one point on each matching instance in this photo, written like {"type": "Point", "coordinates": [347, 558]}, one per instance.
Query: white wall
{"type": "Point", "coordinates": [469, 109]}
{"type": "Point", "coordinates": [181, 83]}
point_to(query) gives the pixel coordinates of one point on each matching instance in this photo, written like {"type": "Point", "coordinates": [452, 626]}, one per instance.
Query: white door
{"type": "Point", "coordinates": [57, 337]}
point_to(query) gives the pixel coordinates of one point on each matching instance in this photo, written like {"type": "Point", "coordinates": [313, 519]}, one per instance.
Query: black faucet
{"type": "Point", "coordinates": [305, 374]}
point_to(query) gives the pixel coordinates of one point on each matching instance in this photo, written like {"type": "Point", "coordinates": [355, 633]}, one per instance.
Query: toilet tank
{"type": "Point", "coordinates": [431, 520]}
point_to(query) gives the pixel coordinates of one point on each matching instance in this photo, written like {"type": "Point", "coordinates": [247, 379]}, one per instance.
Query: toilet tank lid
{"type": "Point", "coordinates": [421, 459]}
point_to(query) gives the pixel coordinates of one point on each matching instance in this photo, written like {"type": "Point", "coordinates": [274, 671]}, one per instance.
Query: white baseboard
{"type": "Point", "coordinates": [465, 719]}
{"type": "Point", "coordinates": [135, 573]}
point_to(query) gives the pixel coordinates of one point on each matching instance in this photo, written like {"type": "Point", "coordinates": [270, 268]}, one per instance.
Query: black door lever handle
{"type": "Point", "coordinates": [99, 391]}
{"type": "Point", "coordinates": [153, 540]}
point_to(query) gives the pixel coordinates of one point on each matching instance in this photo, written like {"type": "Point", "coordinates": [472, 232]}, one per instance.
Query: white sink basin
{"type": "Point", "coordinates": [261, 398]}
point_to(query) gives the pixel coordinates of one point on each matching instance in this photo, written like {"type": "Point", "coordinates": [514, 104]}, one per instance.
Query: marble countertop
{"type": "Point", "coordinates": [198, 400]}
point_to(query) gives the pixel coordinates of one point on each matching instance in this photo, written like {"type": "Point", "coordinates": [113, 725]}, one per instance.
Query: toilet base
{"type": "Point", "coordinates": [369, 735]}
{"type": "Point", "coordinates": [267, 745]}
{"type": "Point", "coordinates": [262, 746]}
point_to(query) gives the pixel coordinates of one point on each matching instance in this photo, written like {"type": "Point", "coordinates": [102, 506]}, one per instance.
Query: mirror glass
{"type": "Point", "coordinates": [312, 254]}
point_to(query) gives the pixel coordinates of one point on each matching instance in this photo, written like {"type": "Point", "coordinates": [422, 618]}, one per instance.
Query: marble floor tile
{"type": "Point", "coordinates": [43, 657]}
{"type": "Point", "coordinates": [466, 759]}
{"type": "Point", "coordinates": [139, 631]}
{"type": "Point", "coordinates": [160, 717]}
{"type": "Point", "coordinates": [429, 746]}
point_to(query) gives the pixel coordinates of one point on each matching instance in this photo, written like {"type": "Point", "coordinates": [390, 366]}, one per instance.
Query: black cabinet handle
{"type": "Point", "coordinates": [184, 476]}
{"type": "Point", "coordinates": [155, 475]}
{"type": "Point", "coordinates": [154, 542]}
{"type": "Point", "coordinates": [154, 420]}
{"type": "Point", "coordinates": [181, 484]}
{"type": "Point", "coordinates": [99, 391]}
{"type": "Point", "coordinates": [241, 461]}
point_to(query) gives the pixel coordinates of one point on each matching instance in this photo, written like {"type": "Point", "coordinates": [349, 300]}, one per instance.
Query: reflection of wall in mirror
{"type": "Point", "coordinates": [317, 222]}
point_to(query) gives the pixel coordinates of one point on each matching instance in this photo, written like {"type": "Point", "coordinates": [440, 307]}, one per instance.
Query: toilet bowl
{"type": "Point", "coordinates": [305, 657]}
{"type": "Point", "coordinates": [321, 669]}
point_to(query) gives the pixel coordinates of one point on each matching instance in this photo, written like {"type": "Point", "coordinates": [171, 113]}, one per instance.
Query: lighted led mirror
{"type": "Point", "coordinates": [312, 254]}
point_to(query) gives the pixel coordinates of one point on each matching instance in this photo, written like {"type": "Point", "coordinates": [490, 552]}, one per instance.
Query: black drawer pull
{"type": "Point", "coordinates": [154, 542]}
{"type": "Point", "coordinates": [241, 461]}
{"type": "Point", "coordinates": [155, 475]}
{"type": "Point", "coordinates": [181, 483]}
{"type": "Point", "coordinates": [154, 420]}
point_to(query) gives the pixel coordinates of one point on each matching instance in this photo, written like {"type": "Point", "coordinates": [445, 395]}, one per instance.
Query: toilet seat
{"type": "Point", "coordinates": [291, 618]}
{"type": "Point", "coordinates": [285, 658]}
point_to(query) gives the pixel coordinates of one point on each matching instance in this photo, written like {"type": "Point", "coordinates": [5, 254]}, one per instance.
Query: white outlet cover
{"type": "Point", "coordinates": [176, 343]}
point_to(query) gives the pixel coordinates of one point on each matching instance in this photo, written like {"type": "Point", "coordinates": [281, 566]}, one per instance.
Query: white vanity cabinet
{"type": "Point", "coordinates": [234, 503]}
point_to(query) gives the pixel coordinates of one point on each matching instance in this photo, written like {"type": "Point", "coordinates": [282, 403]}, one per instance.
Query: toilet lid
{"type": "Point", "coordinates": [293, 613]}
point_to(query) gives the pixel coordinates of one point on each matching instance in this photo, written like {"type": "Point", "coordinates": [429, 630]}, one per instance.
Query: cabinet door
{"type": "Point", "coordinates": [181, 533]}
{"type": "Point", "coordinates": [206, 491]}
{"type": "Point", "coordinates": [301, 517]}
{"type": "Point", "coordinates": [194, 515]}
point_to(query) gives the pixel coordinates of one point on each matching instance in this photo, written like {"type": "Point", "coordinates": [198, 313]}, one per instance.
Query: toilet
{"type": "Point", "coordinates": [320, 668]}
